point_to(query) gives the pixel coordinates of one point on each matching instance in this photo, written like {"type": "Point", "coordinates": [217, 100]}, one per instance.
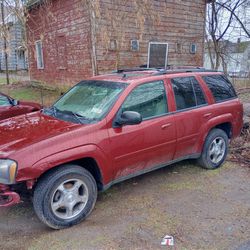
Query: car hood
{"type": "Point", "coordinates": [25, 130]}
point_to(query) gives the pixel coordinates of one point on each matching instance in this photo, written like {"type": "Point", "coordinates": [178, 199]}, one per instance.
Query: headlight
{"type": "Point", "coordinates": [8, 171]}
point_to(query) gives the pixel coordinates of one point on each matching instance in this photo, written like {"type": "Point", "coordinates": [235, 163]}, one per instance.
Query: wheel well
{"type": "Point", "coordinates": [91, 165]}
{"type": "Point", "coordinates": [226, 127]}
{"type": "Point", "coordinates": [87, 163]}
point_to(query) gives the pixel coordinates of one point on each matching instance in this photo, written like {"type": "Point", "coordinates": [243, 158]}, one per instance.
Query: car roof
{"type": "Point", "coordinates": [131, 76]}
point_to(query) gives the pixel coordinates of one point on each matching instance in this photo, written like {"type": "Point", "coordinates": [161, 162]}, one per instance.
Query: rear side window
{"type": "Point", "coordinates": [220, 86]}
{"type": "Point", "coordinates": [188, 92]}
{"type": "Point", "coordinates": [148, 99]}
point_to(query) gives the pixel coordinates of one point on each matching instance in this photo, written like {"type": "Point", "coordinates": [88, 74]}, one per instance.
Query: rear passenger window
{"type": "Point", "coordinates": [148, 99]}
{"type": "Point", "coordinates": [188, 92]}
{"type": "Point", "coordinates": [220, 87]}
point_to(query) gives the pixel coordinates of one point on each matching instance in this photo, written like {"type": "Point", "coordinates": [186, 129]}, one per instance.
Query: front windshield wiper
{"type": "Point", "coordinates": [52, 110]}
{"type": "Point", "coordinates": [77, 116]}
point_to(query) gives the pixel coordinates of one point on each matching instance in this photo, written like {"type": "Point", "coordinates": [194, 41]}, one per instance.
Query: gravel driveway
{"type": "Point", "coordinates": [201, 209]}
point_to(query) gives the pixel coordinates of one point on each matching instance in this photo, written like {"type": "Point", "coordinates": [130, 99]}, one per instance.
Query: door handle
{"type": "Point", "coordinates": [207, 115]}
{"type": "Point", "coordinates": [166, 125]}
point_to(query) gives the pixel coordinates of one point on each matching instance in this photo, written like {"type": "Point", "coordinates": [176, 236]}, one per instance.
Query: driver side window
{"type": "Point", "coordinates": [4, 101]}
{"type": "Point", "coordinates": [148, 99]}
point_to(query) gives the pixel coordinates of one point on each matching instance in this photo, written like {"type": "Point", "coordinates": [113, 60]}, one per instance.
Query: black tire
{"type": "Point", "coordinates": [49, 184]}
{"type": "Point", "coordinates": [206, 159]}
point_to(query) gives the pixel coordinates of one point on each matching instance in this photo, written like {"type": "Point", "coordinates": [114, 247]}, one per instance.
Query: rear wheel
{"type": "Point", "coordinates": [215, 149]}
{"type": "Point", "coordinates": [65, 196]}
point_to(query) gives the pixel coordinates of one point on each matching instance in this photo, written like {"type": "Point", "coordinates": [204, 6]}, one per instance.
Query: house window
{"type": "Point", "coordinates": [39, 55]}
{"type": "Point", "coordinates": [157, 55]}
{"type": "Point", "coordinates": [134, 45]}
{"type": "Point", "coordinates": [193, 48]}
{"type": "Point", "coordinates": [61, 52]}
{"type": "Point", "coordinates": [113, 45]}
{"type": "Point", "coordinates": [178, 48]}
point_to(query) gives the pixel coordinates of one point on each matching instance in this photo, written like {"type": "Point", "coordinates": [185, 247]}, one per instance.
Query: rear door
{"type": "Point", "coordinates": [137, 148]}
{"type": "Point", "coordinates": [191, 112]}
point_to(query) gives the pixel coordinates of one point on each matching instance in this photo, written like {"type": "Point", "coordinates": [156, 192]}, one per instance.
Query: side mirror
{"type": "Point", "coordinates": [128, 118]}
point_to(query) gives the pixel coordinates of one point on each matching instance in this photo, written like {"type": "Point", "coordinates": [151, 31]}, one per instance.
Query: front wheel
{"type": "Point", "coordinates": [65, 196]}
{"type": "Point", "coordinates": [215, 149]}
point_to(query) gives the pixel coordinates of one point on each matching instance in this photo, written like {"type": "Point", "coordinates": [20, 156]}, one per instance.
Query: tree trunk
{"type": "Point", "coordinates": [5, 43]}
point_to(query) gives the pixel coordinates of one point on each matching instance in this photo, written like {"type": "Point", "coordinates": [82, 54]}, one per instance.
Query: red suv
{"type": "Point", "coordinates": [10, 107]}
{"type": "Point", "coordinates": [111, 128]}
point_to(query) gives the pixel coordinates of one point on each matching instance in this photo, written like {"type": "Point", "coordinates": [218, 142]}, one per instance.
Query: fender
{"type": "Point", "coordinates": [51, 161]}
{"type": "Point", "coordinates": [210, 124]}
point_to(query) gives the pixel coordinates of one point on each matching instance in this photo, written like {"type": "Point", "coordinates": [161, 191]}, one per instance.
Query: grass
{"type": "Point", "coordinates": [3, 80]}
{"type": "Point", "coordinates": [34, 91]}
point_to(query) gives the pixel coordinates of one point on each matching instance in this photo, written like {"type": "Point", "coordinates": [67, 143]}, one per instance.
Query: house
{"type": "Point", "coordinates": [16, 50]}
{"type": "Point", "coordinates": [236, 58]}
{"type": "Point", "coordinates": [69, 40]}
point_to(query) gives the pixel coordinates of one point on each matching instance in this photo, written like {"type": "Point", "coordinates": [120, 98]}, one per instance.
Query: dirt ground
{"type": "Point", "coordinates": [201, 209]}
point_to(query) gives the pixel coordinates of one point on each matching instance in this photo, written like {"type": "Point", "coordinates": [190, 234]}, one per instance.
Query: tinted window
{"type": "Point", "coordinates": [148, 99]}
{"type": "Point", "coordinates": [220, 87]}
{"type": "Point", "coordinates": [4, 101]}
{"type": "Point", "coordinates": [188, 92]}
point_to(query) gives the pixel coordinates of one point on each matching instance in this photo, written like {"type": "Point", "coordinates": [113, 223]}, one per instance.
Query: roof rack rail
{"type": "Point", "coordinates": [119, 71]}
{"type": "Point", "coordinates": [168, 70]}
{"type": "Point", "coordinates": [184, 70]}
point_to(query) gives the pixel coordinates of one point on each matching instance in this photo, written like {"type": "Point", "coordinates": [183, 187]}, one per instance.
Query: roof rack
{"type": "Point", "coordinates": [185, 70]}
{"type": "Point", "coordinates": [169, 70]}
{"type": "Point", "coordinates": [119, 71]}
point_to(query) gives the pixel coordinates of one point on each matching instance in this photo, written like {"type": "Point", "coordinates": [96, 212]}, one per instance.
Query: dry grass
{"type": "Point", "coordinates": [34, 91]}
{"type": "Point", "coordinates": [242, 86]}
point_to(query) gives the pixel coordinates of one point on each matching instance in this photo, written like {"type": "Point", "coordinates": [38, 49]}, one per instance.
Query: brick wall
{"type": "Point", "coordinates": [64, 27]}
{"type": "Point", "coordinates": [172, 21]}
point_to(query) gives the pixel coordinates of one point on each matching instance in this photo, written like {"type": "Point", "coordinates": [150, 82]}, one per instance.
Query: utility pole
{"type": "Point", "coordinates": [5, 42]}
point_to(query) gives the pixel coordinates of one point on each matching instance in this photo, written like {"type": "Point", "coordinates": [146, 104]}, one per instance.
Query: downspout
{"type": "Point", "coordinates": [93, 41]}
{"type": "Point", "coordinates": [204, 31]}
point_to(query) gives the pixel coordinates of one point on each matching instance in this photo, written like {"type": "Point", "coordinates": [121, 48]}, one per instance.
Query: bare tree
{"type": "Point", "coordinates": [223, 18]}
{"type": "Point", "coordinates": [4, 34]}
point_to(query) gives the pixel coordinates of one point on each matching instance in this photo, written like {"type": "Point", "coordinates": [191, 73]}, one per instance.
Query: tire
{"type": "Point", "coordinates": [215, 149]}
{"type": "Point", "coordinates": [65, 196]}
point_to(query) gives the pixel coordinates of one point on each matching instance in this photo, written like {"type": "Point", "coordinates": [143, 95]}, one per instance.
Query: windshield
{"type": "Point", "coordinates": [88, 101]}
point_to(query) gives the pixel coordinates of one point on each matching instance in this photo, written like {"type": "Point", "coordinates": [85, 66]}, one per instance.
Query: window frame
{"type": "Point", "coordinates": [37, 55]}
{"type": "Point", "coordinates": [161, 43]}
{"type": "Point", "coordinates": [119, 112]}
{"type": "Point", "coordinates": [194, 107]}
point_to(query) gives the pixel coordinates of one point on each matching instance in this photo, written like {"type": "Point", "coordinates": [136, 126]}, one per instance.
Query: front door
{"type": "Point", "coordinates": [137, 148]}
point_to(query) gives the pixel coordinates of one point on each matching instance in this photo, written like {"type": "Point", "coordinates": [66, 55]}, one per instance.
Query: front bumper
{"type": "Point", "coordinates": [7, 197]}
